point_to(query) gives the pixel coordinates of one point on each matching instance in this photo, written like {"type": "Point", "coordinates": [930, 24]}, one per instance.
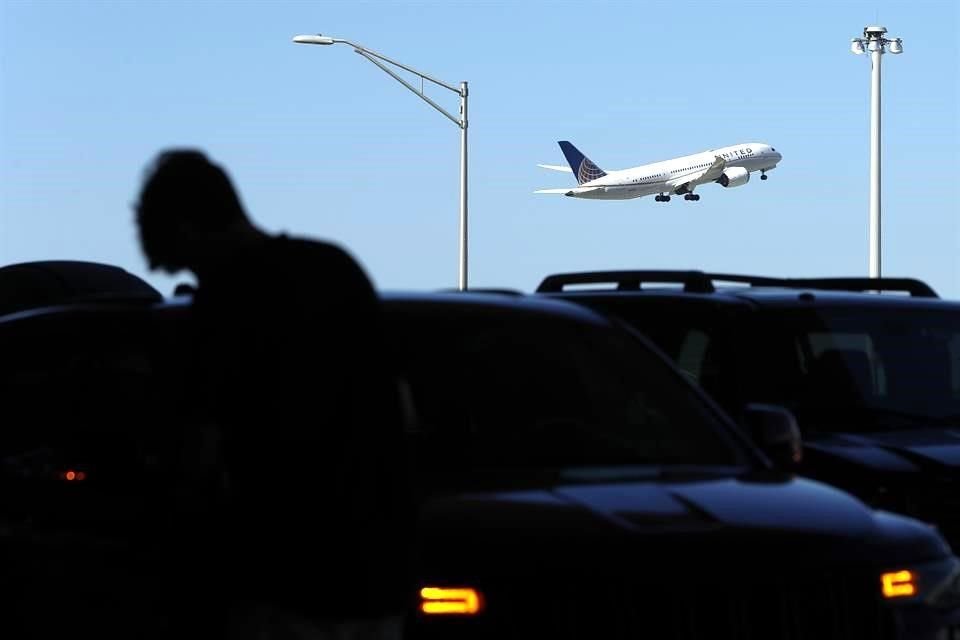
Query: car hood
{"type": "Point", "coordinates": [767, 518]}
{"type": "Point", "coordinates": [929, 449]}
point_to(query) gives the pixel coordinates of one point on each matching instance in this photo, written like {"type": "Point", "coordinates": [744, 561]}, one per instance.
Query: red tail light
{"type": "Point", "coordinates": [72, 475]}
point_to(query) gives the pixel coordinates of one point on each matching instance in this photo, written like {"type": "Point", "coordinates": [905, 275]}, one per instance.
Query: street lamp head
{"type": "Point", "coordinates": [311, 39]}
{"type": "Point", "coordinates": [874, 31]}
{"type": "Point", "coordinates": [856, 46]}
{"type": "Point", "coordinates": [896, 46]}
{"type": "Point", "coordinates": [874, 45]}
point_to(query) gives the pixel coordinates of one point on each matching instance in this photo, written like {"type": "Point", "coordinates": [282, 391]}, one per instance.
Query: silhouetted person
{"type": "Point", "coordinates": [292, 371]}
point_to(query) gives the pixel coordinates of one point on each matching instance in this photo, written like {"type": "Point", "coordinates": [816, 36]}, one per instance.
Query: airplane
{"type": "Point", "coordinates": [728, 166]}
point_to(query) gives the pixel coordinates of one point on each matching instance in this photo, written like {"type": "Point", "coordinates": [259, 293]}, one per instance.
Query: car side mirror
{"type": "Point", "coordinates": [775, 431]}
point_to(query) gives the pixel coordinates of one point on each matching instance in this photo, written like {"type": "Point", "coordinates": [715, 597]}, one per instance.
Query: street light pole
{"type": "Point", "coordinates": [462, 281]}
{"type": "Point", "coordinates": [461, 122]}
{"type": "Point", "coordinates": [875, 42]}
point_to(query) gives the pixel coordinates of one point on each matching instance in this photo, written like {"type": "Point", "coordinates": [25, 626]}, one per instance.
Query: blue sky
{"type": "Point", "coordinates": [322, 143]}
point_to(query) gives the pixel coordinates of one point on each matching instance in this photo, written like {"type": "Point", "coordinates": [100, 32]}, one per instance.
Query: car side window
{"type": "Point", "coordinates": [854, 353]}
{"type": "Point", "coordinates": [890, 363]}
{"type": "Point", "coordinates": [690, 356]}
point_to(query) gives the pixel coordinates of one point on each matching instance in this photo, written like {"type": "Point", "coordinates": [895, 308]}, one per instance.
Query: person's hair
{"type": "Point", "coordinates": [184, 185]}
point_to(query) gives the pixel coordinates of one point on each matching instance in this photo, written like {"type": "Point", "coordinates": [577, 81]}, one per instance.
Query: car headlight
{"type": "Point", "coordinates": [934, 583]}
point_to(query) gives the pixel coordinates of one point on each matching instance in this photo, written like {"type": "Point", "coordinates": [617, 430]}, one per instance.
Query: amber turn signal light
{"type": "Point", "coordinates": [898, 584]}
{"type": "Point", "coordinates": [462, 601]}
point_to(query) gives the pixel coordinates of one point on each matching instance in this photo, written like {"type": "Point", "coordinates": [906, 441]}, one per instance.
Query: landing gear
{"type": "Point", "coordinates": [763, 175]}
{"type": "Point", "coordinates": [692, 196]}
{"type": "Point", "coordinates": [662, 198]}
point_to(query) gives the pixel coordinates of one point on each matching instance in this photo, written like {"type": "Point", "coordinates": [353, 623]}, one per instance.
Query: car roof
{"type": "Point", "coordinates": [751, 290]}
{"type": "Point", "coordinates": [29, 285]}
{"type": "Point", "coordinates": [810, 296]}
{"type": "Point", "coordinates": [767, 297]}
{"type": "Point", "coordinates": [467, 302]}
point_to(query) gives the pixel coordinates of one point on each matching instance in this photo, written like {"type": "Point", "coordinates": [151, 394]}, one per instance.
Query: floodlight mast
{"type": "Point", "coordinates": [876, 43]}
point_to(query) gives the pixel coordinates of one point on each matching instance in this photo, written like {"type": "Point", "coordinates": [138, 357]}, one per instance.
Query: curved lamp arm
{"type": "Point", "coordinates": [376, 57]}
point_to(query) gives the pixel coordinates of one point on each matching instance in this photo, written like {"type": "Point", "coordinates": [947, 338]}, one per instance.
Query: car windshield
{"type": "Point", "coordinates": [864, 369]}
{"type": "Point", "coordinates": [516, 391]}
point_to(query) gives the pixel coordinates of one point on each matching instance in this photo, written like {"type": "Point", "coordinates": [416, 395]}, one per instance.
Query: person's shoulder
{"type": "Point", "coordinates": [312, 253]}
{"type": "Point", "coordinates": [293, 245]}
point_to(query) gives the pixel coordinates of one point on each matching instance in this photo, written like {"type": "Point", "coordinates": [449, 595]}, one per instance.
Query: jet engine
{"type": "Point", "coordinates": [734, 177]}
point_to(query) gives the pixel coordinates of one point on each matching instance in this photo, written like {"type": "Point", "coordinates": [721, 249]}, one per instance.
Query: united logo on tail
{"type": "Point", "coordinates": [582, 166]}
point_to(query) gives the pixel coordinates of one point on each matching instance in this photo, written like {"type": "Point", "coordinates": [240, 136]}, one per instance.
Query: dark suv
{"type": "Point", "coordinates": [573, 485]}
{"type": "Point", "coordinates": [874, 380]}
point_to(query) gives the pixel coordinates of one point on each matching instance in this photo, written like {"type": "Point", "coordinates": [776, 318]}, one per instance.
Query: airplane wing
{"type": "Point", "coordinates": [712, 172]}
{"type": "Point", "coordinates": [709, 174]}
{"type": "Point", "coordinates": [556, 167]}
{"type": "Point", "coordinates": [570, 191]}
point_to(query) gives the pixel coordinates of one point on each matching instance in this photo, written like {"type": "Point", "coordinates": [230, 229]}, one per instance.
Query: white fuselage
{"type": "Point", "coordinates": [667, 176]}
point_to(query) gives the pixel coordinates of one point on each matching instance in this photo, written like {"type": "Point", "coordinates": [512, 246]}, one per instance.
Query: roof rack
{"type": "Point", "coordinates": [704, 282]}
{"type": "Point", "coordinates": [916, 288]}
{"type": "Point", "coordinates": [692, 281]}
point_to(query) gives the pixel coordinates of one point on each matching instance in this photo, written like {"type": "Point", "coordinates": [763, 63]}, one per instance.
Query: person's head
{"type": "Point", "coordinates": [187, 206]}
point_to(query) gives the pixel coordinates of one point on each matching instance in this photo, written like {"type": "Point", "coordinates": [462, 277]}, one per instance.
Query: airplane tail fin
{"type": "Point", "coordinates": [581, 165]}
